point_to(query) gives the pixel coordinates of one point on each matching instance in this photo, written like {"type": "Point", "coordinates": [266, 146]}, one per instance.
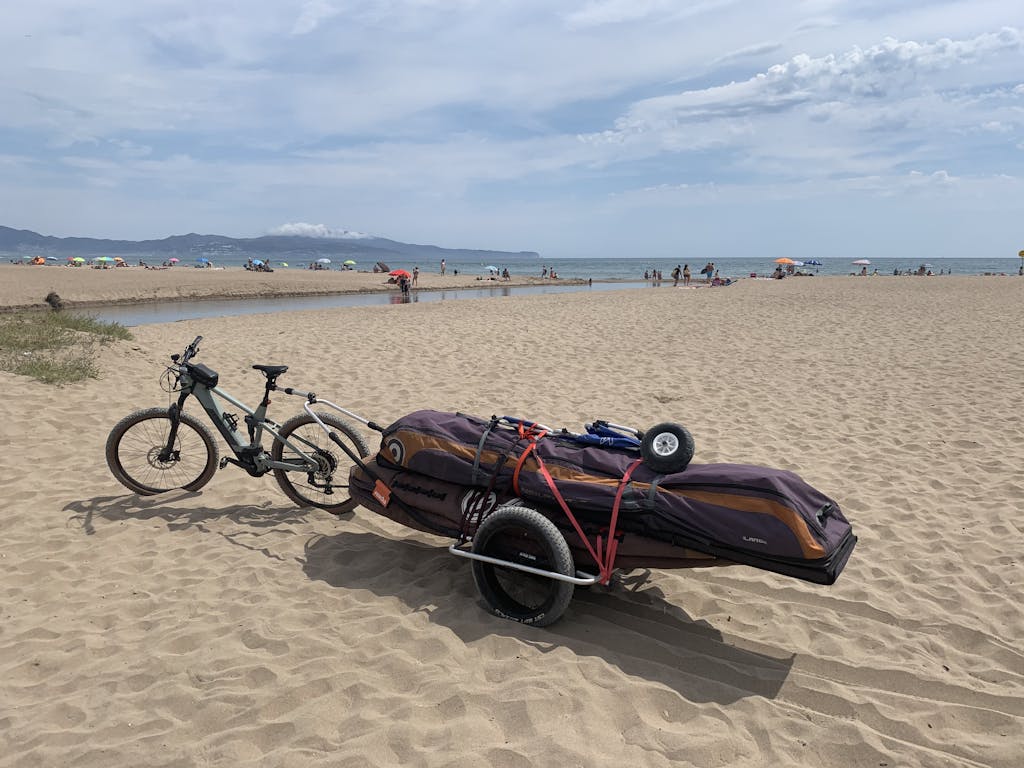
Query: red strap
{"type": "Point", "coordinates": [607, 563]}
{"type": "Point", "coordinates": [568, 513]}
{"type": "Point", "coordinates": [612, 543]}
{"type": "Point", "coordinates": [519, 466]}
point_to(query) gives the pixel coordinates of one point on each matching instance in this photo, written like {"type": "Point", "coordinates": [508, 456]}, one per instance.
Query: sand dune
{"type": "Point", "coordinates": [228, 627]}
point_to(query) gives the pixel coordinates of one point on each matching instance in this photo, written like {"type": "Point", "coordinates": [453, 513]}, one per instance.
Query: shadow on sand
{"type": "Point", "coordinates": [630, 624]}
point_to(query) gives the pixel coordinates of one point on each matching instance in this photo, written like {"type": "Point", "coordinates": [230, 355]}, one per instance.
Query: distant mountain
{"type": "Point", "coordinates": [23, 241]}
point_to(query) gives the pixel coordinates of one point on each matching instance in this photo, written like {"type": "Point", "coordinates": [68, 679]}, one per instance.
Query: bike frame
{"type": "Point", "coordinates": [249, 454]}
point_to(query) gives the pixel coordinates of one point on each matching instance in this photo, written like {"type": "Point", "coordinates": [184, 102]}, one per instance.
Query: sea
{"type": "Point", "coordinates": [633, 268]}
{"type": "Point", "coordinates": [630, 269]}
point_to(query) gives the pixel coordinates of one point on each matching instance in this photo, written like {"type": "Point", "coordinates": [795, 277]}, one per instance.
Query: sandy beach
{"type": "Point", "coordinates": [25, 286]}
{"type": "Point", "coordinates": [229, 627]}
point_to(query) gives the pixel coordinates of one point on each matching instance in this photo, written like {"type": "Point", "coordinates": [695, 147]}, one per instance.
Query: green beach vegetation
{"type": "Point", "coordinates": [54, 347]}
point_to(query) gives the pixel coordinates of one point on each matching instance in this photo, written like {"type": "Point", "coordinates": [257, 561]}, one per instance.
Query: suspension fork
{"type": "Point", "coordinates": [174, 414]}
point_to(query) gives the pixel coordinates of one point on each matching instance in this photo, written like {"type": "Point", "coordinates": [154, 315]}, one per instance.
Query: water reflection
{"type": "Point", "coordinates": [171, 311]}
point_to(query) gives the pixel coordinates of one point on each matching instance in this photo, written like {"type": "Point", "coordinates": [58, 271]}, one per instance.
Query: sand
{"type": "Point", "coordinates": [231, 628]}
{"type": "Point", "coordinates": [25, 286]}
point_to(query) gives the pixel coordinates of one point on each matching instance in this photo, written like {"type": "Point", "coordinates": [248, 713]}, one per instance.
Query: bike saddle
{"type": "Point", "coordinates": [271, 370]}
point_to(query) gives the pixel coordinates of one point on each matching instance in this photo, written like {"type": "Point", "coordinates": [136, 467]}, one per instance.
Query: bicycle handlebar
{"type": "Point", "coordinates": [190, 351]}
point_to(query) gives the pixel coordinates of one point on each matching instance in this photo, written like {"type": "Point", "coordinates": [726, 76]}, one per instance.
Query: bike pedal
{"type": "Point", "coordinates": [223, 462]}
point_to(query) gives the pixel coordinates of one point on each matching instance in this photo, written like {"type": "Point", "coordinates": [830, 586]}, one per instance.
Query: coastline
{"type": "Point", "coordinates": [24, 287]}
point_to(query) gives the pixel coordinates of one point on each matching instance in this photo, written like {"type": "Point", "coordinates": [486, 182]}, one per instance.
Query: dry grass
{"type": "Point", "coordinates": [54, 347]}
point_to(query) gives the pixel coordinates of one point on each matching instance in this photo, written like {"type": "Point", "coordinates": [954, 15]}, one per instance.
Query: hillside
{"type": "Point", "coordinates": [23, 241]}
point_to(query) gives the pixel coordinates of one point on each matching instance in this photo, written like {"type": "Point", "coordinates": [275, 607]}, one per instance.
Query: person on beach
{"type": "Point", "coordinates": [686, 274]}
{"type": "Point", "coordinates": [442, 267]}
{"type": "Point", "coordinates": [677, 272]}
{"type": "Point", "coordinates": [415, 276]}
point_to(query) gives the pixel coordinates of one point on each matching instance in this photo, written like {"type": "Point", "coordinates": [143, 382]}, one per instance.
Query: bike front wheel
{"type": "Point", "coordinates": [136, 443]}
{"type": "Point", "coordinates": [326, 487]}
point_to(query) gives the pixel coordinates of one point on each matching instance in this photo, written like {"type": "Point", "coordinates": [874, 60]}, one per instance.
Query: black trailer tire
{"type": "Point", "coordinates": [523, 535]}
{"type": "Point", "coordinates": [667, 448]}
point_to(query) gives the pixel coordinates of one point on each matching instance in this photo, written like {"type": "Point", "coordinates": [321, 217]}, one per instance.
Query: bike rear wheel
{"type": "Point", "coordinates": [309, 489]}
{"type": "Point", "coordinates": [136, 442]}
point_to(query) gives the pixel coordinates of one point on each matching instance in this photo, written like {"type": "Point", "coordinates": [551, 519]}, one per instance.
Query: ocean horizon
{"type": "Point", "coordinates": [603, 269]}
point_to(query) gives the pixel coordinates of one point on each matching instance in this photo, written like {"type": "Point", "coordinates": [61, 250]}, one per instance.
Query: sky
{"type": "Point", "coordinates": [575, 128]}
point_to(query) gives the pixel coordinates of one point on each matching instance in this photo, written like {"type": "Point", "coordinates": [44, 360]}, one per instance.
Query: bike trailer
{"type": "Point", "coordinates": [448, 471]}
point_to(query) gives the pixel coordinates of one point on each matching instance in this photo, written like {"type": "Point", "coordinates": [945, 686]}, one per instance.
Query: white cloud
{"type": "Point", "coordinates": [301, 229]}
{"type": "Point", "coordinates": [873, 73]}
{"type": "Point", "coordinates": [313, 12]}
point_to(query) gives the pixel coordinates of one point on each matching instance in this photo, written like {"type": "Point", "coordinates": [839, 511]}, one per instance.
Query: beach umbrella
{"type": "Point", "coordinates": [173, 260]}
{"type": "Point", "coordinates": [399, 273]}
{"type": "Point", "coordinates": [284, 263]}
{"type": "Point", "coordinates": [203, 260]}
{"type": "Point", "coordinates": [348, 262]}
{"type": "Point", "coordinates": [861, 262]}
{"type": "Point", "coordinates": [491, 269]}
{"type": "Point", "coordinates": [323, 261]}
{"type": "Point", "coordinates": [784, 260]}
{"type": "Point", "coordinates": [51, 258]}
{"type": "Point", "coordinates": [79, 259]}
{"type": "Point", "coordinates": [257, 262]}
{"type": "Point", "coordinates": [118, 258]}
{"type": "Point", "coordinates": [813, 263]}
{"type": "Point", "coordinates": [103, 258]}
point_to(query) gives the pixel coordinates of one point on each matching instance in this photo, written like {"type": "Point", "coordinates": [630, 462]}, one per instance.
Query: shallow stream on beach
{"type": "Point", "coordinates": [170, 311]}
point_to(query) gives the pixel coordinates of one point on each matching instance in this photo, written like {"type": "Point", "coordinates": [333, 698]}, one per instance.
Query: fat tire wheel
{"type": "Point", "coordinates": [667, 448]}
{"type": "Point", "coordinates": [300, 491]}
{"type": "Point", "coordinates": [523, 535]}
{"type": "Point", "coordinates": [135, 441]}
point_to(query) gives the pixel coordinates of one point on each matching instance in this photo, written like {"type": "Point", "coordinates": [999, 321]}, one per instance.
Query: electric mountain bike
{"type": "Point", "coordinates": [156, 450]}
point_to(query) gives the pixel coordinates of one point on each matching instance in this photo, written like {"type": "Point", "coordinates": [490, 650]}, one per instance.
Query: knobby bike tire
{"type": "Point", "coordinates": [335, 462]}
{"type": "Point", "coordinates": [135, 442]}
